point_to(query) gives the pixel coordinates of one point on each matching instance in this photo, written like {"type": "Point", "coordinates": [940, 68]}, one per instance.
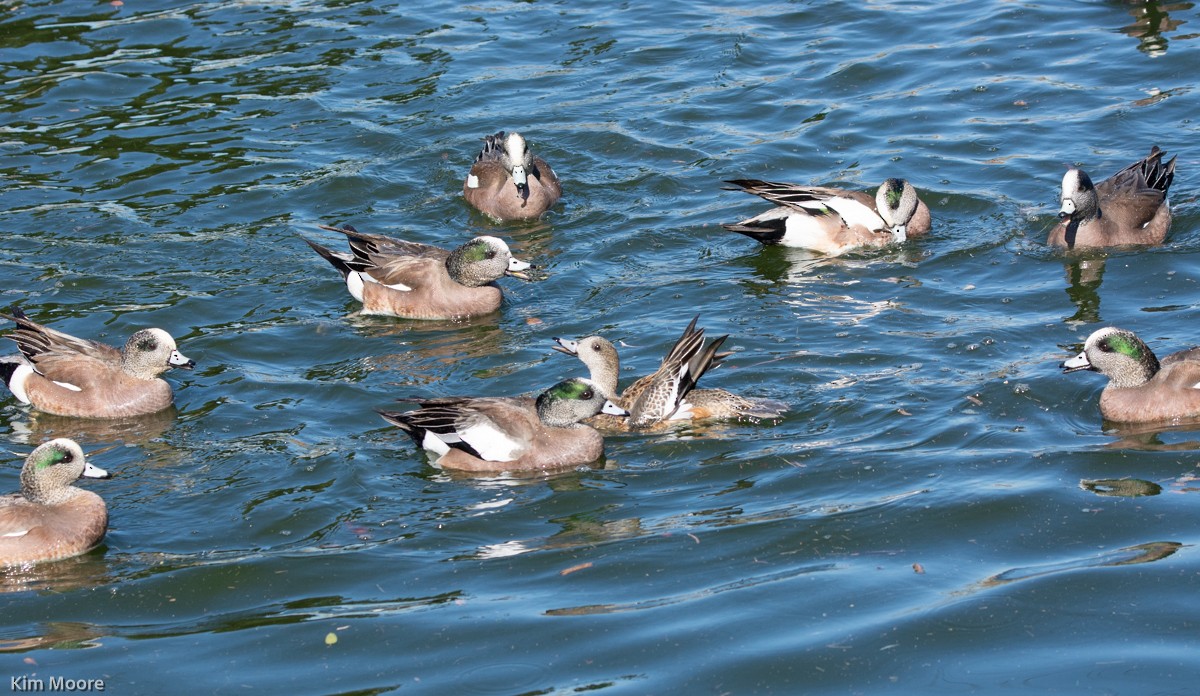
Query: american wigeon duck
{"type": "Point", "coordinates": [1129, 207]}
{"type": "Point", "coordinates": [834, 221]}
{"type": "Point", "coordinates": [68, 376]}
{"type": "Point", "coordinates": [51, 519]}
{"type": "Point", "coordinates": [1140, 387]}
{"type": "Point", "coordinates": [669, 394]}
{"type": "Point", "coordinates": [418, 281]}
{"type": "Point", "coordinates": [508, 182]}
{"type": "Point", "coordinates": [511, 434]}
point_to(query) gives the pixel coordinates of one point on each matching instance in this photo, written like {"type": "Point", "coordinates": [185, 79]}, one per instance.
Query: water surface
{"type": "Point", "coordinates": [921, 521]}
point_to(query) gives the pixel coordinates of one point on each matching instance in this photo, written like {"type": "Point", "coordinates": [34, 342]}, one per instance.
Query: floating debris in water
{"type": "Point", "coordinates": [1126, 487]}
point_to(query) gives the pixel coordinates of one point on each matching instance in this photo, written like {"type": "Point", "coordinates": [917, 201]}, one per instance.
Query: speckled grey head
{"type": "Point", "coordinates": [483, 260]}
{"type": "Point", "coordinates": [1117, 354]}
{"type": "Point", "coordinates": [50, 470]}
{"type": "Point", "coordinates": [1078, 195]}
{"type": "Point", "coordinates": [896, 201]}
{"type": "Point", "coordinates": [150, 352]}
{"type": "Point", "coordinates": [572, 400]}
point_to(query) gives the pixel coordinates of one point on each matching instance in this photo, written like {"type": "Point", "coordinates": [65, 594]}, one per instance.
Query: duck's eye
{"type": "Point", "coordinates": [1105, 347]}
{"type": "Point", "coordinates": [147, 344]}
{"type": "Point", "coordinates": [586, 395]}
{"type": "Point", "coordinates": [596, 347]}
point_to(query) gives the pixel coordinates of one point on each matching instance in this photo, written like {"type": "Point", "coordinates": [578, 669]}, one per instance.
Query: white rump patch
{"type": "Point", "coordinates": [354, 283]}
{"type": "Point", "coordinates": [18, 381]}
{"type": "Point", "coordinates": [472, 181]}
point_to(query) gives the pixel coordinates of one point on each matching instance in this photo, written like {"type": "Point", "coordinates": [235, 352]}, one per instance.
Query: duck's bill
{"type": "Point", "coordinates": [1067, 209]}
{"type": "Point", "coordinates": [92, 471]}
{"type": "Point", "coordinates": [519, 177]}
{"type": "Point", "coordinates": [613, 410]}
{"type": "Point", "coordinates": [524, 270]}
{"type": "Point", "coordinates": [1079, 362]}
{"type": "Point", "coordinates": [565, 346]}
{"type": "Point", "coordinates": [178, 359]}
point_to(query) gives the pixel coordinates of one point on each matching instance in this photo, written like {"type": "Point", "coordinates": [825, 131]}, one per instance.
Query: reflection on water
{"type": "Point", "coordinates": [1149, 437]}
{"type": "Point", "coordinates": [1084, 276]}
{"type": "Point", "coordinates": [39, 427]}
{"type": "Point", "coordinates": [89, 570]}
{"type": "Point", "coordinates": [59, 635]}
{"type": "Point", "coordinates": [1130, 555]}
{"type": "Point", "coordinates": [701, 593]}
{"type": "Point", "coordinates": [428, 350]}
{"type": "Point", "coordinates": [1151, 20]}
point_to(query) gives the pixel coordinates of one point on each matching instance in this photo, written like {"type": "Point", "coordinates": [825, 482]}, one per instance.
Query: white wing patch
{"type": "Point", "coordinates": [855, 213]}
{"type": "Point", "coordinates": [437, 443]}
{"type": "Point", "coordinates": [492, 443]}
{"type": "Point", "coordinates": [13, 535]}
{"type": "Point", "coordinates": [394, 286]}
{"type": "Point", "coordinates": [68, 385]}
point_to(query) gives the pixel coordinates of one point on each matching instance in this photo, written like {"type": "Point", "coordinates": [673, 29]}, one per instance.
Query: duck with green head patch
{"type": "Point", "coordinates": [509, 434]}
{"type": "Point", "coordinates": [1141, 388]}
{"type": "Point", "coordinates": [407, 279]}
{"type": "Point", "coordinates": [68, 376]}
{"type": "Point", "coordinates": [834, 221]}
{"type": "Point", "coordinates": [50, 518]}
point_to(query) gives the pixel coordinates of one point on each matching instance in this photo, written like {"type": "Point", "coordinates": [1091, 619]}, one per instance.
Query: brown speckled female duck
{"type": "Point", "coordinates": [669, 393]}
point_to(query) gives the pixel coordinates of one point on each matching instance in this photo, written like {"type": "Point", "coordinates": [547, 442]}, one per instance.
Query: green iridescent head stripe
{"type": "Point", "coordinates": [895, 191]}
{"type": "Point", "coordinates": [478, 251]}
{"type": "Point", "coordinates": [52, 456]}
{"type": "Point", "coordinates": [1125, 346]}
{"type": "Point", "coordinates": [571, 389]}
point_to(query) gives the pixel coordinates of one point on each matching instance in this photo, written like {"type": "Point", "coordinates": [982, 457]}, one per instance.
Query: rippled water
{"type": "Point", "coordinates": [926, 518]}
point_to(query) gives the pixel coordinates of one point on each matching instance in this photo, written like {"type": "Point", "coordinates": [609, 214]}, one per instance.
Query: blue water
{"type": "Point", "coordinates": [915, 524]}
